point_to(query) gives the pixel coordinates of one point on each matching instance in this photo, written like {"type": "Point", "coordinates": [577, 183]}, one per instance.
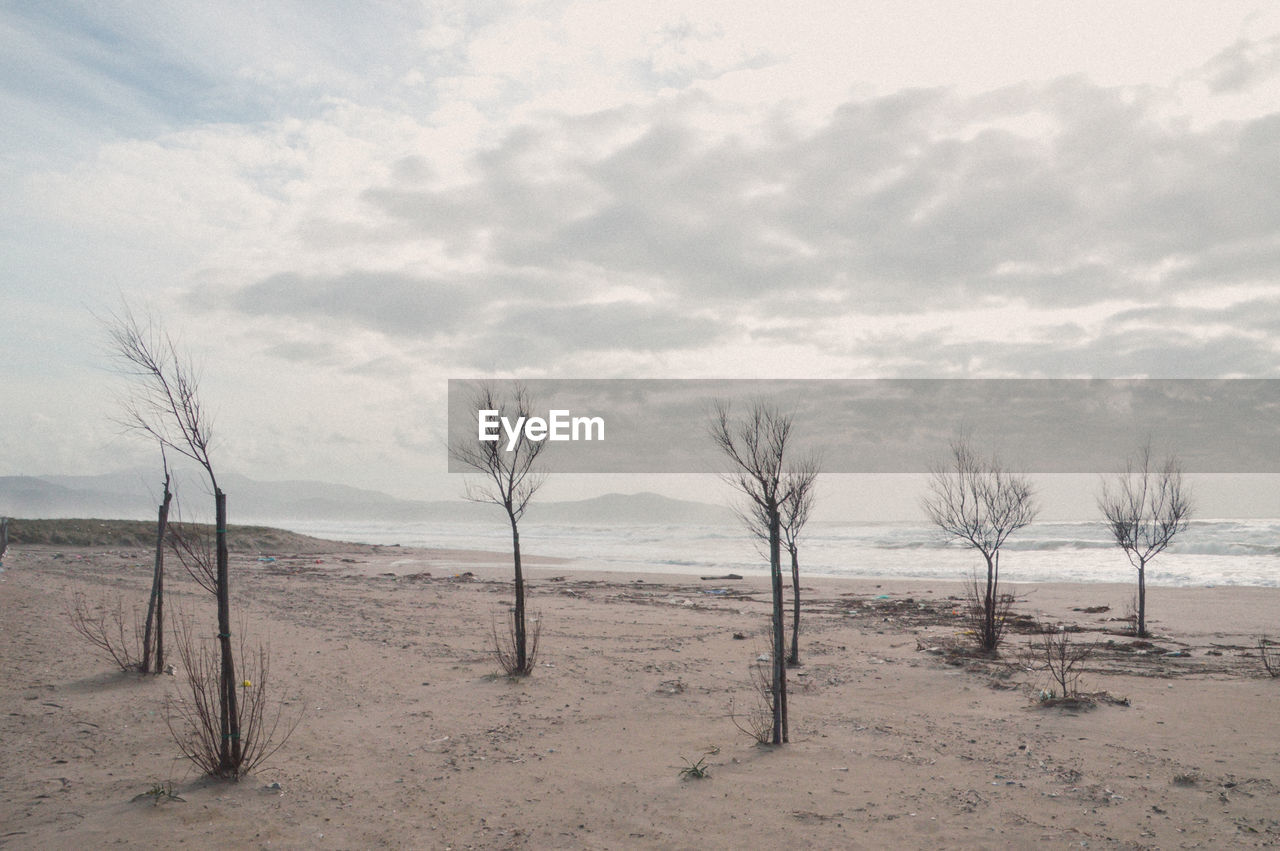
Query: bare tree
{"type": "Point", "coordinates": [1145, 507]}
{"type": "Point", "coordinates": [510, 478]}
{"type": "Point", "coordinates": [800, 481]}
{"type": "Point", "coordinates": [756, 445]}
{"type": "Point", "coordinates": [166, 405]}
{"type": "Point", "coordinates": [980, 503]}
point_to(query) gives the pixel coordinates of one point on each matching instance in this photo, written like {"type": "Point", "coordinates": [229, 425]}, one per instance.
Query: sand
{"type": "Point", "coordinates": [407, 738]}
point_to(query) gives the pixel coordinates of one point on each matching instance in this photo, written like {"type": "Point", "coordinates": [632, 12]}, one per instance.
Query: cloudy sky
{"type": "Point", "coordinates": [338, 210]}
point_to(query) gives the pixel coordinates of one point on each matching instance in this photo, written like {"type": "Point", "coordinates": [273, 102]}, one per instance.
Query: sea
{"type": "Point", "coordinates": [1208, 553]}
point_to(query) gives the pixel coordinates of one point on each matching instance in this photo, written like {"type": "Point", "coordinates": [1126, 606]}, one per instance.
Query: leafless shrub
{"type": "Point", "coordinates": [1054, 651]}
{"type": "Point", "coordinates": [107, 626]}
{"type": "Point", "coordinates": [756, 719]}
{"type": "Point", "coordinates": [193, 717]}
{"type": "Point", "coordinates": [987, 624]}
{"type": "Point", "coordinates": [1269, 653]}
{"type": "Point", "coordinates": [1130, 615]}
{"type": "Point", "coordinates": [517, 660]}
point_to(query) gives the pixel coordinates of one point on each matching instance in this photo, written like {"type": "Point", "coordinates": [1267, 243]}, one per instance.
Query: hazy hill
{"type": "Point", "coordinates": [617, 508]}
{"type": "Point", "coordinates": [134, 495]}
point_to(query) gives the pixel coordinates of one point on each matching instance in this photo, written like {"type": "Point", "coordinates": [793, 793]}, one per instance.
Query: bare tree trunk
{"type": "Point", "coordinates": [989, 608]}
{"type": "Point", "coordinates": [230, 716]}
{"type": "Point", "coordinates": [779, 686]}
{"type": "Point", "coordinates": [521, 648]}
{"type": "Point", "coordinates": [159, 662]}
{"type": "Point", "coordinates": [155, 606]}
{"type": "Point", "coordinates": [794, 657]}
{"type": "Point", "coordinates": [1142, 600]}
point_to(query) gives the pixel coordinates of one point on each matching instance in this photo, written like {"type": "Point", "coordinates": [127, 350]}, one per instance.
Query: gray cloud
{"type": "Point", "coordinates": [1243, 65]}
{"type": "Point", "coordinates": [397, 304]}
{"type": "Point", "coordinates": [1150, 349]}
{"type": "Point", "coordinates": [1059, 195]}
{"type": "Point", "coordinates": [547, 334]}
{"type": "Point", "coordinates": [916, 194]}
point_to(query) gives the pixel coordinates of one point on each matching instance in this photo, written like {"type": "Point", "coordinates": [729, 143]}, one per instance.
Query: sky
{"type": "Point", "coordinates": [335, 209]}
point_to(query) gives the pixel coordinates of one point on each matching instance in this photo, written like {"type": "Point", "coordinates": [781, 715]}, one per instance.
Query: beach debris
{"type": "Point", "coordinates": [716, 578]}
{"type": "Point", "coordinates": [739, 636]}
{"type": "Point", "coordinates": [266, 559]}
{"type": "Point", "coordinates": [274, 786]}
{"type": "Point", "coordinates": [671, 687]}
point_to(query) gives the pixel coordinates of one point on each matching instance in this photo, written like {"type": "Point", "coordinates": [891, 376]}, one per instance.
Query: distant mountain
{"type": "Point", "coordinates": [32, 497]}
{"type": "Point", "coordinates": [134, 495]}
{"type": "Point", "coordinates": [622, 509]}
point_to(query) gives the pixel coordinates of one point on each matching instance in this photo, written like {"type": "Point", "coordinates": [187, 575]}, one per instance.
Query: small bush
{"type": "Point", "coordinates": [159, 793]}
{"type": "Point", "coordinates": [756, 721]}
{"type": "Point", "coordinates": [106, 625]}
{"type": "Point", "coordinates": [504, 646]}
{"type": "Point", "coordinates": [1269, 654]}
{"type": "Point", "coordinates": [193, 718]}
{"type": "Point", "coordinates": [1054, 651]}
{"type": "Point", "coordinates": [988, 632]}
{"type": "Point", "coordinates": [695, 770]}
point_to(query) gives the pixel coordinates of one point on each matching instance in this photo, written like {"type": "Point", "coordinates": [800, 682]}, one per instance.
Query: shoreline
{"type": "Point", "coordinates": [407, 737]}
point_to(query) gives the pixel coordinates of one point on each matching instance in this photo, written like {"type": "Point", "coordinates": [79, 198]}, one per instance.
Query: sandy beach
{"type": "Point", "coordinates": [408, 738]}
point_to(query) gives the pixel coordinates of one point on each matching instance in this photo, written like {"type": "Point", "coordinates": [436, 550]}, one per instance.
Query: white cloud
{"type": "Point", "coordinates": [370, 203]}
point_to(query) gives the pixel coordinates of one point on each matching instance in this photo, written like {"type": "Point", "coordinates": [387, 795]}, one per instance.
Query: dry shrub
{"type": "Point", "coordinates": [504, 646]}
{"type": "Point", "coordinates": [193, 716]}
{"type": "Point", "coordinates": [1054, 651]}
{"type": "Point", "coordinates": [756, 720]}
{"type": "Point", "coordinates": [1269, 653]}
{"type": "Point", "coordinates": [988, 631]}
{"type": "Point", "coordinates": [106, 625]}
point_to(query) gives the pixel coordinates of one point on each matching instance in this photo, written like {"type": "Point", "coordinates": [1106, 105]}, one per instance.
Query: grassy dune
{"type": "Point", "coordinates": [142, 533]}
